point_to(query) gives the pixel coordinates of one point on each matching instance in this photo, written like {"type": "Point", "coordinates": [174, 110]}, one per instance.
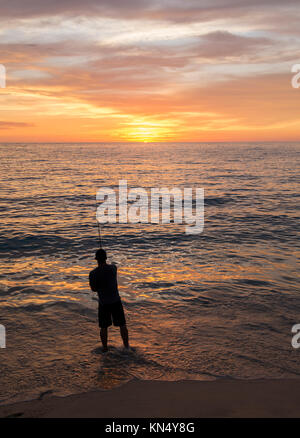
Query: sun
{"type": "Point", "coordinates": [145, 131]}
{"type": "Point", "coordinates": [144, 134]}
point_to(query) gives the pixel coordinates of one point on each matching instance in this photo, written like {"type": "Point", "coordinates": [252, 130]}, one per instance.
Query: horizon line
{"type": "Point", "coordinates": [149, 142]}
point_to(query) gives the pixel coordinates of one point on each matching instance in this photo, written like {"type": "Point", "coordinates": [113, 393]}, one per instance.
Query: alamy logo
{"type": "Point", "coordinates": [2, 76]}
{"type": "Point", "coordinates": [296, 78]}
{"type": "Point", "coordinates": [2, 336]}
{"type": "Point", "coordinates": [296, 338]}
{"type": "Point", "coordinates": [155, 205]}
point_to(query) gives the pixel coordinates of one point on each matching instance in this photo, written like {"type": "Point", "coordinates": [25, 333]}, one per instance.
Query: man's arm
{"type": "Point", "coordinates": [92, 282]}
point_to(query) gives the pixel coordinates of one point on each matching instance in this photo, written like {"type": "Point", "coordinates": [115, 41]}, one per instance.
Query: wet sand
{"type": "Point", "coordinates": [198, 399]}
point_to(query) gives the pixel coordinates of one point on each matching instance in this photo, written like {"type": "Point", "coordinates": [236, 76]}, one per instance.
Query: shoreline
{"type": "Point", "coordinates": [170, 399]}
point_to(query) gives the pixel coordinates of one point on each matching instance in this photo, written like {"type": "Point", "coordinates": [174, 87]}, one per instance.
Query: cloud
{"type": "Point", "coordinates": [166, 10]}
{"type": "Point", "coordinates": [9, 125]}
{"type": "Point", "coordinates": [222, 44]}
{"type": "Point", "coordinates": [33, 8]}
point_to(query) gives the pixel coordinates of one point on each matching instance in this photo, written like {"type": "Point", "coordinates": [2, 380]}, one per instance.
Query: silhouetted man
{"type": "Point", "coordinates": [103, 280]}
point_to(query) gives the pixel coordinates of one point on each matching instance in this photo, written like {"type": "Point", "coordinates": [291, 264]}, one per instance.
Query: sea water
{"type": "Point", "coordinates": [220, 304]}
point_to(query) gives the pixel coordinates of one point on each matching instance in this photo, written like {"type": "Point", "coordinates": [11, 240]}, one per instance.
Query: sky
{"type": "Point", "coordinates": [149, 70]}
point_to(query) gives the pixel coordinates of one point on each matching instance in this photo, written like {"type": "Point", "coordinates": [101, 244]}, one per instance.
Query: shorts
{"type": "Point", "coordinates": [109, 314]}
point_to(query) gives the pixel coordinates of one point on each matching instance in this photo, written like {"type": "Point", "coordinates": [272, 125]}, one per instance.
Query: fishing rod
{"type": "Point", "coordinates": [99, 234]}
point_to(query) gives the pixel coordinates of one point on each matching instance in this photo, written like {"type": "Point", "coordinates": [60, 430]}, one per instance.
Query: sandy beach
{"type": "Point", "coordinates": [185, 399]}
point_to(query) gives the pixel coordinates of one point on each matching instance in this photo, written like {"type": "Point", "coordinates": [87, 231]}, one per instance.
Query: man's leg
{"type": "Point", "coordinates": [103, 336]}
{"type": "Point", "coordinates": [124, 335]}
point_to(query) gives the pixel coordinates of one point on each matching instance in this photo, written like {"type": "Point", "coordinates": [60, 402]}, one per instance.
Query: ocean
{"type": "Point", "coordinates": [220, 304]}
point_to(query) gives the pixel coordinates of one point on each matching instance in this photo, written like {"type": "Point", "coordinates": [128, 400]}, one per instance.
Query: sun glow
{"type": "Point", "coordinates": [143, 134]}
{"type": "Point", "coordinates": [146, 131]}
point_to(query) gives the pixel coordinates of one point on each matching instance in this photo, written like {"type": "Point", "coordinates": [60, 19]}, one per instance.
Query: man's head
{"type": "Point", "coordinates": [101, 255]}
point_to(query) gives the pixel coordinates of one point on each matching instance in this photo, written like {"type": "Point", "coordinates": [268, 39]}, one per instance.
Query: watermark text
{"type": "Point", "coordinates": [154, 205]}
